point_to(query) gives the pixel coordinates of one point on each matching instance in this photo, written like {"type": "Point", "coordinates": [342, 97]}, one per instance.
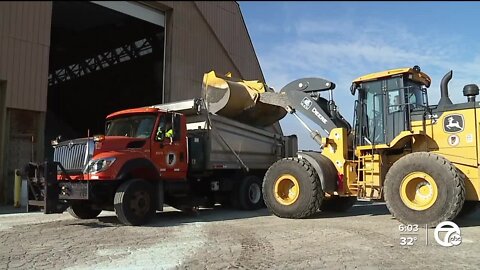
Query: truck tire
{"type": "Point", "coordinates": [338, 204]}
{"type": "Point", "coordinates": [424, 188]}
{"type": "Point", "coordinates": [291, 189]}
{"type": "Point", "coordinates": [250, 193]}
{"type": "Point", "coordinates": [83, 210]}
{"type": "Point", "coordinates": [134, 202]}
{"type": "Point", "coordinates": [469, 207]}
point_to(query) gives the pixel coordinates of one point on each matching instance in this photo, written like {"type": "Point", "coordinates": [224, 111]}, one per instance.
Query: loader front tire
{"type": "Point", "coordinates": [424, 188]}
{"type": "Point", "coordinates": [133, 202]}
{"type": "Point", "coordinates": [292, 189]}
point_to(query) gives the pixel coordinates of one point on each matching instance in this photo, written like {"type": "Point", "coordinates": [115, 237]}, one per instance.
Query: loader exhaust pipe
{"type": "Point", "coordinates": [444, 99]}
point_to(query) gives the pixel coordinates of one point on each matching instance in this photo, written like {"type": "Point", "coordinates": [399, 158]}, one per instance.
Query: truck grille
{"type": "Point", "coordinates": [72, 155]}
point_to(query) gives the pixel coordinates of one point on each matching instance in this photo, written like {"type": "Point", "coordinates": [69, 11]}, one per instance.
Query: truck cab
{"type": "Point", "coordinates": [138, 136]}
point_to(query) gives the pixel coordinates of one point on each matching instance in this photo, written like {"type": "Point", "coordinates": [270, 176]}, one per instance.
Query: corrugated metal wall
{"type": "Point", "coordinates": [24, 49]}
{"type": "Point", "coordinates": [226, 21]}
{"type": "Point", "coordinates": [202, 36]}
{"type": "Point", "coordinates": [24, 56]}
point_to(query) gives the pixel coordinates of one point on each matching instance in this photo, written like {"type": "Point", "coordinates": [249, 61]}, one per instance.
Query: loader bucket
{"type": "Point", "coordinates": [239, 100]}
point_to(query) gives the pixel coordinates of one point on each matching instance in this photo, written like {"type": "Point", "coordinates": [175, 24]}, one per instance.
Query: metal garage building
{"type": "Point", "coordinates": [65, 65]}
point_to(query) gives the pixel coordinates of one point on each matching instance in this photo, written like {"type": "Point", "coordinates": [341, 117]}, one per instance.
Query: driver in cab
{"type": "Point", "coordinates": [166, 132]}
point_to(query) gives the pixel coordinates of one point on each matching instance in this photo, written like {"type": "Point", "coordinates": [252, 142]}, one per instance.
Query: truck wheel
{"type": "Point", "coordinates": [338, 204]}
{"type": "Point", "coordinates": [424, 188]}
{"type": "Point", "coordinates": [133, 202]}
{"type": "Point", "coordinates": [250, 193]}
{"type": "Point", "coordinates": [83, 211]}
{"type": "Point", "coordinates": [469, 207]}
{"type": "Point", "coordinates": [291, 189]}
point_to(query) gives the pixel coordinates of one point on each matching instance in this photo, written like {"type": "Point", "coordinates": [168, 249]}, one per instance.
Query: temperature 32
{"type": "Point", "coordinates": [408, 240]}
{"type": "Point", "coordinates": [409, 234]}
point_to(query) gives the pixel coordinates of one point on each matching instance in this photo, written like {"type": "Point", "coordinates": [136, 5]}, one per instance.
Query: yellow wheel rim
{"type": "Point", "coordinates": [418, 191]}
{"type": "Point", "coordinates": [287, 189]}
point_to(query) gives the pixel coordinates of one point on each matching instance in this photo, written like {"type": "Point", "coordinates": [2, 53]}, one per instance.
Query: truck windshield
{"type": "Point", "coordinates": [137, 126]}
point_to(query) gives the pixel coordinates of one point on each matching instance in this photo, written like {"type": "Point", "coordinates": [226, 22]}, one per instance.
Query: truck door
{"type": "Point", "coordinates": [169, 150]}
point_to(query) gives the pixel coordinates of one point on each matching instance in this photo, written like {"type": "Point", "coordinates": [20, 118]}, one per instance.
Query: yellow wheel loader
{"type": "Point", "coordinates": [421, 159]}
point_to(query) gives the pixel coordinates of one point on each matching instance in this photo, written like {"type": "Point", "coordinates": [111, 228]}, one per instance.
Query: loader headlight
{"type": "Point", "coordinates": [99, 165]}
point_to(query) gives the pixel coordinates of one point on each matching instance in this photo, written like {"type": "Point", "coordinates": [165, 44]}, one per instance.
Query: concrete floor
{"type": "Point", "coordinates": [366, 237]}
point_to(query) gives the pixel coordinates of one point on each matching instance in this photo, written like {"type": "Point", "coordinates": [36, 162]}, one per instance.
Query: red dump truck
{"type": "Point", "coordinates": [135, 170]}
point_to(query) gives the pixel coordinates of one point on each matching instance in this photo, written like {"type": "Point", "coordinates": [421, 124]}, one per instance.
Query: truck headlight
{"type": "Point", "coordinates": [98, 165]}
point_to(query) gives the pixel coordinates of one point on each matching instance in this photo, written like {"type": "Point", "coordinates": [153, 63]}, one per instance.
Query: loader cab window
{"type": "Point", "coordinates": [394, 95]}
{"type": "Point", "coordinates": [382, 114]}
{"type": "Point", "coordinates": [374, 115]}
{"type": "Point", "coordinates": [415, 94]}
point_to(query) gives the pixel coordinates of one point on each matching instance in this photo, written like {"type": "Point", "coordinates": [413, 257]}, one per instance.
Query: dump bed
{"type": "Point", "coordinates": [217, 142]}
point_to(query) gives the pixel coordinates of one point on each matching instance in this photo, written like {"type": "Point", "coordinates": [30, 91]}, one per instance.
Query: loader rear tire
{"type": "Point", "coordinates": [424, 188]}
{"type": "Point", "coordinates": [338, 204]}
{"type": "Point", "coordinates": [291, 189]}
{"type": "Point", "coordinates": [83, 210]}
{"type": "Point", "coordinates": [134, 203]}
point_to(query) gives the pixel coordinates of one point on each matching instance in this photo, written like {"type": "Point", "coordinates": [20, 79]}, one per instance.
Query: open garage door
{"type": "Point", "coordinates": [104, 57]}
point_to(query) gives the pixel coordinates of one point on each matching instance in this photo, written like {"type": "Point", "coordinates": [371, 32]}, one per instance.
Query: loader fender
{"type": "Point", "coordinates": [327, 173]}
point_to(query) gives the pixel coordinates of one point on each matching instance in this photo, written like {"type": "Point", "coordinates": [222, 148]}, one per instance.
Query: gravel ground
{"type": "Point", "coordinates": [366, 237]}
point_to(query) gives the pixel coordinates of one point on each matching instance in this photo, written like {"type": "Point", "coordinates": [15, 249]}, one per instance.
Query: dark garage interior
{"type": "Point", "coordinates": [101, 61]}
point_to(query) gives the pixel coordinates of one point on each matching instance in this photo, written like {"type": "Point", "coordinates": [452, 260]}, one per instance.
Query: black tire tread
{"type": "Point", "coordinates": [313, 205]}
{"type": "Point", "coordinates": [243, 193]}
{"type": "Point", "coordinates": [119, 198]}
{"type": "Point", "coordinates": [83, 211]}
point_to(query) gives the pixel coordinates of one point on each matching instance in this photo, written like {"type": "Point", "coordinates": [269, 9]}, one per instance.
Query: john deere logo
{"type": "Point", "coordinates": [453, 123]}
{"type": "Point", "coordinates": [306, 103]}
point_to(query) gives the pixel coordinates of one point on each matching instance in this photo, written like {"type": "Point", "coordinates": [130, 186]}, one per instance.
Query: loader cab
{"type": "Point", "coordinates": [385, 103]}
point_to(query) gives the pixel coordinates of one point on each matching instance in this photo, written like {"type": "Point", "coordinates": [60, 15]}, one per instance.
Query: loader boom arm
{"type": "Point", "coordinates": [303, 95]}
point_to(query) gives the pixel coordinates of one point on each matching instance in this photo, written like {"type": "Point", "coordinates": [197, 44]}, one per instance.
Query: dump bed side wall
{"type": "Point", "coordinates": [257, 148]}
